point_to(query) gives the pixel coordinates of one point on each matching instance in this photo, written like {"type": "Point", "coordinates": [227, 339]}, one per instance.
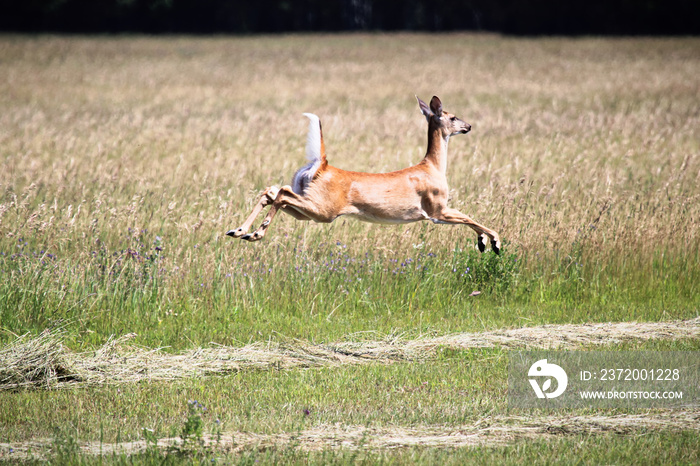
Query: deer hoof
{"type": "Point", "coordinates": [482, 243]}
{"type": "Point", "coordinates": [255, 236]}
{"type": "Point", "coordinates": [237, 233]}
{"type": "Point", "coordinates": [496, 246]}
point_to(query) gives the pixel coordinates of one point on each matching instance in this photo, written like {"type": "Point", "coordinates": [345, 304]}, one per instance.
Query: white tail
{"type": "Point", "coordinates": [313, 139]}
{"type": "Point", "coordinates": [322, 193]}
{"type": "Point", "coordinates": [314, 154]}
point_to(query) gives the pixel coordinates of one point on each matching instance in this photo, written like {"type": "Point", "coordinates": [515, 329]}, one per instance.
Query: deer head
{"type": "Point", "coordinates": [446, 122]}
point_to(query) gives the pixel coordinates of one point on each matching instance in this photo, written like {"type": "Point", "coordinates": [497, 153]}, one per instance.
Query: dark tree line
{"type": "Point", "coordinates": [270, 16]}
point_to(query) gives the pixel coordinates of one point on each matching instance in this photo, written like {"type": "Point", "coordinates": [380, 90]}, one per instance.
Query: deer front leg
{"type": "Point", "coordinates": [288, 199]}
{"type": "Point", "coordinates": [455, 217]}
{"type": "Point", "coordinates": [268, 197]}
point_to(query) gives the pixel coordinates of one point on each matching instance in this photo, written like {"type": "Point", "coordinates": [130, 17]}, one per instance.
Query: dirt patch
{"type": "Point", "coordinates": [488, 431]}
{"type": "Point", "coordinates": [44, 362]}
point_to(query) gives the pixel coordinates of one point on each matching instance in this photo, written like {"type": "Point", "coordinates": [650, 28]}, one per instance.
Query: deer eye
{"type": "Point", "coordinates": [453, 118]}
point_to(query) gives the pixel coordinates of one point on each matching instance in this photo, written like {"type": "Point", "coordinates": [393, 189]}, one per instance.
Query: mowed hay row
{"type": "Point", "coordinates": [591, 142]}
{"type": "Point", "coordinates": [488, 431]}
{"type": "Point", "coordinates": [44, 362]}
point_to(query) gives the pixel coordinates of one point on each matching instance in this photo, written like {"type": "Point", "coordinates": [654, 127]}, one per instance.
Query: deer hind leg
{"type": "Point", "coordinates": [455, 217]}
{"type": "Point", "coordinates": [267, 197]}
{"type": "Point", "coordinates": [294, 204]}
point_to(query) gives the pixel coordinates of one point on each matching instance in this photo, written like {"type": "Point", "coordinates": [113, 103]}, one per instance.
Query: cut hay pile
{"type": "Point", "coordinates": [35, 362]}
{"type": "Point", "coordinates": [569, 336]}
{"type": "Point", "coordinates": [44, 362]}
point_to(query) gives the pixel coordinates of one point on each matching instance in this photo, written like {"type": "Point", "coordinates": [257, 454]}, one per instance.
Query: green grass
{"type": "Point", "coordinates": [123, 161]}
{"type": "Point", "coordinates": [329, 290]}
{"type": "Point", "coordinates": [268, 402]}
{"type": "Point", "coordinates": [651, 448]}
{"type": "Point", "coordinates": [454, 388]}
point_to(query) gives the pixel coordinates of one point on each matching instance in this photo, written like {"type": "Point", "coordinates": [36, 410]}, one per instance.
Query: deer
{"type": "Point", "coordinates": [322, 193]}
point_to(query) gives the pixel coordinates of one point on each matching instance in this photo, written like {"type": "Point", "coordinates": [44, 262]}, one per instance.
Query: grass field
{"type": "Point", "coordinates": [124, 160]}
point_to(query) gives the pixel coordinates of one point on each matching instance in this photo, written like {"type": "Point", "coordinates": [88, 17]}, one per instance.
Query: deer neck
{"type": "Point", "coordinates": [437, 149]}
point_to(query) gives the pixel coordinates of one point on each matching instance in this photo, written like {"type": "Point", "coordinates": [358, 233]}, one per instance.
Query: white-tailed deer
{"type": "Point", "coordinates": [322, 193]}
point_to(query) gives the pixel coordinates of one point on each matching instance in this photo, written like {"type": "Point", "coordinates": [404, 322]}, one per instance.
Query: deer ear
{"type": "Point", "coordinates": [424, 109]}
{"type": "Point", "coordinates": [436, 105]}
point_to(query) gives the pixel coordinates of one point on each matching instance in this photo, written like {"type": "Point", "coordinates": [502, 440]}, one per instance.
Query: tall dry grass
{"type": "Point", "coordinates": [130, 157]}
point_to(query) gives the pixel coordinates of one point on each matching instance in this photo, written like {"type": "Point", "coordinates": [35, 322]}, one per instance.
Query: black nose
{"type": "Point", "coordinates": [469, 128]}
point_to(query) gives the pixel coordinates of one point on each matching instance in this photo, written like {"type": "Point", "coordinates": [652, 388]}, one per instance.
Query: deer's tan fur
{"type": "Point", "coordinates": [415, 193]}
